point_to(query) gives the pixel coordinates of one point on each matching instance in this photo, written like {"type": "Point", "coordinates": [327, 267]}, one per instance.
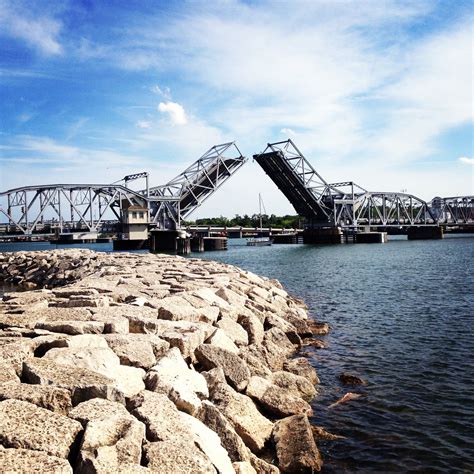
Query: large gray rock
{"type": "Point", "coordinates": [97, 409]}
{"type": "Point", "coordinates": [235, 369]}
{"type": "Point", "coordinates": [26, 460]}
{"type": "Point", "coordinates": [220, 339]}
{"type": "Point", "coordinates": [231, 297]}
{"type": "Point", "coordinates": [52, 398]}
{"type": "Point", "coordinates": [137, 350]}
{"type": "Point", "coordinates": [302, 367]}
{"type": "Point", "coordinates": [110, 443]}
{"type": "Point", "coordinates": [160, 415]}
{"type": "Point", "coordinates": [185, 335]}
{"type": "Point", "coordinates": [295, 384]}
{"type": "Point", "coordinates": [277, 401]}
{"type": "Point", "coordinates": [129, 380]}
{"type": "Point", "coordinates": [209, 443]}
{"type": "Point", "coordinates": [15, 353]}
{"type": "Point", "coordinates": [24, 425]}
{"type": "Point", "coordinates": [83, 384]}
{"type": "Point", "coordinates": [211, 416]}
{"type": "Point", "coordinates": [176, 308]}
{"type": "Point", "coordinates": [7, 372]}
{"type": "Point", "coordinates": [234, 331]}
{"type": "Point", "coordinates": [240, 410]}
{"type": "Point", "coordinates": [172, 376]}
{"type": "Point", "coordinates": [177, 457]}
{"type": "Point", "coordinates": [295, 446]}
{"type": "Point", "coordinates": [253, 326]}
{"type": "Point", "coordinates": [72, 327]}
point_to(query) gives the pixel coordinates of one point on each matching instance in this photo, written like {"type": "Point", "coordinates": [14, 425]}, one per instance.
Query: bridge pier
{"type": "Point", "coordinates": [322, 235]}
{"type": "Point", "coordinates": [173, 241]}
{"type": "Point", "coordinates": [425, 233]}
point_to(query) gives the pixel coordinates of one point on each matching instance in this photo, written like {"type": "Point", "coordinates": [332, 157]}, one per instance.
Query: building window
{"type": "Point", "coordinates": [140, 215]}
{"type": "Point", "coordinates": [134, 215]}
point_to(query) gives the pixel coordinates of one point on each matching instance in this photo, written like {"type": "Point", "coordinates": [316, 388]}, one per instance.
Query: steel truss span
{"type": "Point", "coordinates": [67, 207]}
{"type": "Point", "coordinates": [71, 206]}
{"type": "Point", "coordinates": [347, 204]}
{"type": "Point", "coordinates": [178, 198]}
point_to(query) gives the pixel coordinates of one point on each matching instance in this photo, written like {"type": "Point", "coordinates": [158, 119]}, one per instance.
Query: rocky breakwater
{"type": "Point", "coordinates": [151, 363]}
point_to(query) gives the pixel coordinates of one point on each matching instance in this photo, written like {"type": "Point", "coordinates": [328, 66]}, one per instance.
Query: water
{"type": "Point", "coordinates": [401, 317]}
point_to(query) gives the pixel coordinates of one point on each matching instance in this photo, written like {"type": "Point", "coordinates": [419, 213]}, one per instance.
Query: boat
{"type": "Point", "coordinates": [260, 241]}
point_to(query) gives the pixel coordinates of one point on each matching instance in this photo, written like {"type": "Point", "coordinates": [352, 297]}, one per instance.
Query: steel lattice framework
{"type": "Point", "coordinates": [71, 205]}
{"type": "Point", "coordinates": [347, 204]}
{"type": "Point", "coordinates": [85, 206]}
{"type": "Point", "coordinates": [178, 198]}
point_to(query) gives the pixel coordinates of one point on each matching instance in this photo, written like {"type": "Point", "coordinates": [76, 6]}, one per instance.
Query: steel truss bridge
{"type": "Point", "coordinates": [350, 206]}
{"type": "Point", "coordinates": [84, 207]}
{"type": "Point", "coordinates": [87, 207]}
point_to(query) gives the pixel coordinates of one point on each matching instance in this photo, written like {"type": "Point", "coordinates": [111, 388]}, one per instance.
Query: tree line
{"type": "Point", "coordinates": [287, 221]}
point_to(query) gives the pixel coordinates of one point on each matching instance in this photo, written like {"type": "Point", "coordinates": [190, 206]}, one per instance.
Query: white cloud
{"type": "Point", "coordinates": [163, 92]}
{"type": "Point", "coordinates": [37, 31]}
{"type": "Point", "coordinates": [175, 111]}
{"type": "Point", "coordinates": [466, 160]}
{"type": "Point", "coordinates": [143, 124]}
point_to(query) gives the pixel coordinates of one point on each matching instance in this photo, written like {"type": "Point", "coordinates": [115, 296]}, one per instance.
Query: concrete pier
{"type": "Point", "coordinates": [371, 238]}
{"type": "Point", "coordinates": [174, 241]}
{"type": "Point", "coordinates": [322, 235]}
{"type": "Point", "coordinates": [425, 233]}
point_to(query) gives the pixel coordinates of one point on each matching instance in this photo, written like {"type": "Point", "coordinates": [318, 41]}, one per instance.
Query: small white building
{"type": "Point", "coordinates": [135, 223]}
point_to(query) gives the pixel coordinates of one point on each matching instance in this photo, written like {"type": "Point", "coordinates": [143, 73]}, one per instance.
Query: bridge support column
{"type": "Point", "coordinates": [322, 235]}
{"type": "Point", "coordinates": [371, 237]}
{"type": "Point", "coordinates": [425, 233]}
{"type": "Point", "coordinates": [172, 241]}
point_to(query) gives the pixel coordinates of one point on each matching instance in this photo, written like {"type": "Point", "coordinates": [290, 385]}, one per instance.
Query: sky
{"type": "Point", "coordinates": [377, 92]}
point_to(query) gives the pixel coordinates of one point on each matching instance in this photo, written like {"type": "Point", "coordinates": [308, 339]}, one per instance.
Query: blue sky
{"type": "Point", "coordinates": [379, 92]}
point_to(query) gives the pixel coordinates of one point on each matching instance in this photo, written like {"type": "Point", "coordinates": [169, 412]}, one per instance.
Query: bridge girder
{"type": "Point", "coordinates": [187, 191]}
{"type": "Point", "coordinates": [348, 205]}
{"type": "Point", "coordinates": [85, 205]}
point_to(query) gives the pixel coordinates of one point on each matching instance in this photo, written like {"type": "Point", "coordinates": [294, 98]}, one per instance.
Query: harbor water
{"type": "Point", "coordinates": [402, 318]}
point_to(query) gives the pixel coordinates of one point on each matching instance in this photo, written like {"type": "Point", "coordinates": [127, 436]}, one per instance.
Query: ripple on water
{"type": "Point", "coordinates": [401, 317]}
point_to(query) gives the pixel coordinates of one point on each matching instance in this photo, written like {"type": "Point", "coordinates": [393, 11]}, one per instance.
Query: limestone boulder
{"type": "Point", "coordinates": [137, 350]}
{"type": "Point", "coordinates": [128, 380]}
{"type": "Point", "coordinates": [297, 385]}
{"type": "Point", "coordinates": [159, 414]}
{"type": "Point", "coordinates": [234, 331]}
{"type": "Point", "coordinates": [231, 297]}
{"type": "Point", "coordinates": [52, 398]}
{"type": "Point", "coordinates": [241, 411]}
{"type": "Point", "coordinates": [274, 321]}
{"type": "Point", "coordinates": [184, 386]}
{"type": "Point", "coordinates": [276, 400]}
{"type": "Point", "coordinates": [295, 446]}
{"type": "Point", "coordinates": [176, 308]}
{"type": "Point", "coordinates": [185, 335]}
{"type": "Point", "coordinates": [220, 339]}
{"type": "Point", "coordinates": [26, 460]}
{"type": "Point", "coordinates": [110, 443]}
{"type": "Point", "coordinates": [278, 337]}
{"type": "Point", "coordinates": [211, 416]}
{"type": "Point", "coordinates": [301, 366]}
{"type": "Point", "coordinates": [15, 353]}
{"type": "Point", "coordinates": [263, 467]}
{"type": "Point", "coordinates": [301, 324]}
{"type": "Point", "coordinates": [24, 425]}
{"type": "Point", "coordinates": [177, 456]}
{"type": "Point", "coordinates": [83, 384]}
{"type": "Point", "coordinates": [235, 369]}
{"type": "Point", "coordinates": [253, 326]}
{"type": "Point", "coordinates": [243, 467]}
{"type": "Point", "coordinates": [72, 327]}
{"type": "Point", "coordinates": [97, 409]}
{"type": "Point", "coordinates": [7, 373]}
{"type": "Point", "coordinates": [209, 443]}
